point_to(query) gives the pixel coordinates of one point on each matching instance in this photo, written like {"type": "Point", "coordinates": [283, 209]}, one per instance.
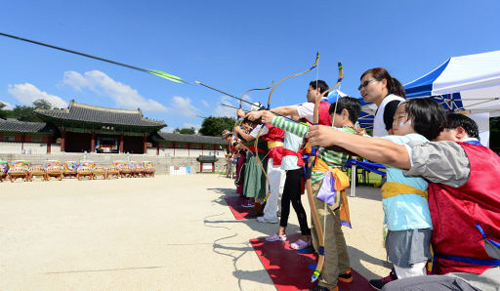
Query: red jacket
{"type": "Point", "coordinates": [274, 135]}
{"type": "Point", "coordinates": [455, 213]}
{"type": "Point", "coordinates": [324, 115]}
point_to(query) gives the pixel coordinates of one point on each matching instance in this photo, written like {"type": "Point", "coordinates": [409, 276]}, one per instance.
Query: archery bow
{"type": "Point", "coordinates": [262, 127]}
{"type": "Point", "coordinates": [339, 81]}
{"type": "Point", "coordinates": [236, 123]}
{"type": "Point", "coordinates": [261, 107]}
{"type": "Point", "coordinates": [310, 195]}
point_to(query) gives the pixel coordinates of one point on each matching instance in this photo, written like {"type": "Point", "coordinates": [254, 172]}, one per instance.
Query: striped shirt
{"type": "Point", "coordinates": [332, 158]}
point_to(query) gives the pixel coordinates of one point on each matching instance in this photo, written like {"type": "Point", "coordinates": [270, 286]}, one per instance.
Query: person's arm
{"type": "Point", "coordinates": [241, 146]}
{"type": "Point", "coordinates": [280, 122]}
{"type": "Point", "coordinates": [284, 110]}
{"type": "Point", "coordinates": [247, 137]}
{"type": "Point", "coordinates": [374, 149]}
{"type": "Point", "coordinates": [443, 162]}
{"type": "Point", "coordinates": [240, 113]}
{"type": "Point", "coordinates": [306, 111]}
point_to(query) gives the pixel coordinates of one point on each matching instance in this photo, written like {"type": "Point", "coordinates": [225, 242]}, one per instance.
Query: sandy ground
{"type": "Point", "coordinates": [162, 233]}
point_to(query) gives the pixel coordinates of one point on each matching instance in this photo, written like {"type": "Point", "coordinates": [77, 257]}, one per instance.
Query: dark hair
{"type": "Point", "coordinates": [393, 85]}
{"type": "Point", "coordinates": [250, 122]}
{"type": "Point", "coordinates": [323, 86]}
{"type": "Point", "coordinates": [454, 120]}
{"type": "Point", "coordinates": [427, 115]}
{"type": "Point", "coordinates": [352, 105]}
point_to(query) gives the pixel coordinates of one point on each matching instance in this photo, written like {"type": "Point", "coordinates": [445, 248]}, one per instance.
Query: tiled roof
{"type": "Point", "coordinates": [13, 125]}
{"type": "Point", "coordinates": [89, 113]}
{"type": "Point", "coordinates": [190, 138]}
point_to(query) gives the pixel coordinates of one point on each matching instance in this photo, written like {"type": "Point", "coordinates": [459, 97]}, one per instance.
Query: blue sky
{"type": "Point", "coordinates": [231, 45]}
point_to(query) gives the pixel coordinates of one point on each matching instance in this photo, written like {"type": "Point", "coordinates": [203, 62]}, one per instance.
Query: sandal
{"type": "Point", "coordinates": [300, 244]}
{"type": "Point", "coordinates": [275, 237]}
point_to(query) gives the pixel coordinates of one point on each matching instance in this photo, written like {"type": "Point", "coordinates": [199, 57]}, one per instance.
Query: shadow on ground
{"type": "Point", "coordinates": [225, 191]}
{"type": "Point", "coordinates": [361, 259]}
{"type": "Point", "coordinates": [234, 250]}
{"type": "Point", "coordinates": [367, 192]}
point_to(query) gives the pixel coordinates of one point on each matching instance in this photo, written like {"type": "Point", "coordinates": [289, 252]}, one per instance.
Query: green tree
{"type": "Point", "coordinates": [191, 130]}
{"type": "Point", "coordinates": [24, 113]}
{"type": "Point", "coordinates": [3, 113]}
{"type": "Point", "coordinates": [42, 104]}
{"type": "Point", "coordinates": [213, 126]}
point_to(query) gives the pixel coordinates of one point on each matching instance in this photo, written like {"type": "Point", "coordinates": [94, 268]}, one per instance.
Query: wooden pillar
{"type": "Point", "coordinates": [145, 143]}
{"type": "Point", "coordinates": [157, 148]}
{"type": "Point", "coordinates": [23, 138]}
{"type": "Point", "coordinates": [92, 142]}
{"type": "Point", "coordinates": [174, 148]}
{"type": "Point", "coordinates": [121, 143]}
{"type": "Point", "coordinates": [49, 145]}
{"type": "Point", "coordinates": [63, 140]}
{"type": "Point", "coordinates": [189, 147]}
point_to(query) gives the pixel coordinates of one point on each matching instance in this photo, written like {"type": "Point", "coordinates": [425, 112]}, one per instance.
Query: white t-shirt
{"type": "Point", "coordinates": [292, 142]}
{"type": "Point", "coordinates": [256, 130]}
{"type": "Point", "coordinates": [306, 110]}
{"type": "Point", "coordinates": [378, 122]}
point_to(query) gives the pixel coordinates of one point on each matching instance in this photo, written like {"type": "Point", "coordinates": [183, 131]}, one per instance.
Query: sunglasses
{"type": "Point", "coordinates": [364, 84]}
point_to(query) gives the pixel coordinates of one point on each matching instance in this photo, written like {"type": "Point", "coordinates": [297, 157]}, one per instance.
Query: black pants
{"type": "Point", "coordinates": [291, 193]}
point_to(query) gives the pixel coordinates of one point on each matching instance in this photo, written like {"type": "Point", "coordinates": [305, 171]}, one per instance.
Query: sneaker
{"type": "Point", "coordinates": [323, 288]}
{"type": "Point", "coordinates": [300, 244]}
{"type": "Point", "coordinates": [262, 219]}
{"type": "Point", "coordinates": [346, 277]}
{"type": "Point", "coordinates": [275, 237]}
{"type": "Point", "coordinates": [248, 204]}
{"type": "Point", "coordinates": [378, 284]}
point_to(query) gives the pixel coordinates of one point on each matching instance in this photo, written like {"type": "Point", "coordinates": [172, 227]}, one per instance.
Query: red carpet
{"type": "Point", "coordinates": [290, 270]}
{"type": "Point", "coordinates": [239, 212]}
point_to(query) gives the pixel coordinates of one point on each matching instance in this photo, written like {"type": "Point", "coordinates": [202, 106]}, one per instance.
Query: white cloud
{"type": "Point", "coordinates": [27, 93]}
{"type": "Point", "coordinates": [221, 111]}
{"type": "Point", "coordinates": [168, 129]}
{"type": "Point", "coordinates": [189, 125]}
{"type": "Point", "coordinates": [183, 106]}
{"type": "Point", "coordinates": [244, 104]}
{"type": "Point", "coordinates": [123, 95]}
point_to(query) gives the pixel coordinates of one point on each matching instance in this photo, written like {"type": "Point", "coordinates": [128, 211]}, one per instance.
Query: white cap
{"type": "Point", "coordinates": [256, 106]}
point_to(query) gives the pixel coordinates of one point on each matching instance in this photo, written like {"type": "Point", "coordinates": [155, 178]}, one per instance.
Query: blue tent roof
{"type": "Point", "coordinates": [422, 86]}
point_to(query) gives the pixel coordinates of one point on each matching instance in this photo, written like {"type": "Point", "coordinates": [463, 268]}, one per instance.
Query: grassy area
{"type": "Point", "coordinates": [367, 178]}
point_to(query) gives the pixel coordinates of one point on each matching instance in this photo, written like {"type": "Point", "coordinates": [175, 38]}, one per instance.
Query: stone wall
{"type": "Point", "coordinates": [41, 149]}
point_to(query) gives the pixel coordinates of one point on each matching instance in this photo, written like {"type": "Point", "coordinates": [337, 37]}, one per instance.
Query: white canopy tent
{"type": "Point", "coordinates": [467, 83]}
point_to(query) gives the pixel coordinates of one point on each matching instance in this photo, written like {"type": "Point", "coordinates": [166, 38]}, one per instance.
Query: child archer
{"type": "Point", "coordinates": [336, 267]}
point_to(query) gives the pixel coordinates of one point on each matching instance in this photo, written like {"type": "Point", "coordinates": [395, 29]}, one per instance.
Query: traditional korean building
{"type": "Point", "coordinates": [86, 128]}
{"type": "Point", "coordinates": [188, 144]}
{"type": "Point", "coordinates": [17, 132]}
{"type": "Point", "coordinates": [91, 128]}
